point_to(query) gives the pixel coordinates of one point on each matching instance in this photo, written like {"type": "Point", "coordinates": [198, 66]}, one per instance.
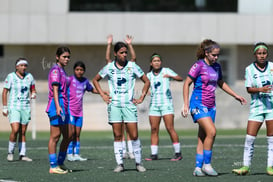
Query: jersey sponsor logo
{"type": "Point", "coordinates": [23, 89]}
{"type": "Point", "coordinates": [157, 84]}
{"type": "Point", "coordinates": [120, 92]}
{"type": "Point", "coordinates": [121, 81]}
{"type": "Point", "coordinates": [255, 76]}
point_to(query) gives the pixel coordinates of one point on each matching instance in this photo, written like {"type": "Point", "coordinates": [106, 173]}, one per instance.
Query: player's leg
{"type": "Point", "coordinates": [118, 149]}
{"type": "Point", "coordinates": [269, 128]}
{"type": "Point", "coordinates": [154, 123]}
{"type": "Point", "coordinates": [130, 146]}
{"type": "Point", "coordinates": [199, 158]}
{"type": "Point", "coordinates": [22, 143]}
{"type": "Point", "coordinates": [169, 124]}
{"type": "Point", "coordinates": [15, 125]}
{"type": "Point", "coordinates": [72, 144]}
{"type": "Point", "coordinates": [78, 127]}
{"type": "Point", "coordinates": [209, 129]}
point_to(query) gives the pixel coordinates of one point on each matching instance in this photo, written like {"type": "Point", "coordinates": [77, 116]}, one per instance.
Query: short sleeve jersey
{"type": "Point", "coordinates": [121, 81]}
{"type": "Point", "coordinates": [57, 76]}
{"type": "Point", "coordinates": [19, 90]}
{"type": "Point", "coordinates": [160, 87]}
{"type": "Point", "coordinates": [255, 78]}
{"type": "Point", "coordinates": [76, 90]}
{"type": "Point", "coordinates": [205, 79]}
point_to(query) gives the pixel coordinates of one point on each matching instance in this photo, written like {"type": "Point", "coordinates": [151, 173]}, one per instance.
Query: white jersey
{"type": "Point", "coordinates": [160, 87]}
{"type": "Point", "coordinates": [121, 81]}
{"type": "Point", "coordinates": [19, 90]}
{"type": "Point", "coordinates": [260, 102]}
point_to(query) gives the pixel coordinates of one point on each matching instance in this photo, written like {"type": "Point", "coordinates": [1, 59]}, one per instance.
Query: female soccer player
{"type": "Point", "coordinates": [121, 76]}
{"type": "Point", "coordinates": [128, 41]}
{"type": "Point", "coordinates": [57, 112]}
{"type": "Point", "coordinates": [161, 105]}
{"type": "Point", "coordinates": [21, 88]}
{"type": "Point", "coordinates": [258, 82]}
{"type": "Point", "coordinates": [77, 85]}
{"type": "Point", "coordinates": [206, 74]}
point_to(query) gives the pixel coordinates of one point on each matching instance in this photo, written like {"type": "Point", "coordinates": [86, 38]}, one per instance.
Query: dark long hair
{"type": "Point", "coordinates": [62, 50]}
{"type": "Point", "coordinates": [79, 64]}
{"type": "Point", "coordinates": [151, 59]}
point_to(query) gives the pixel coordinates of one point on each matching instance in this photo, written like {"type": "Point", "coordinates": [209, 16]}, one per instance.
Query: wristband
{"type": "Point", "coordinates": [5, 109]}
{"type": "Point", "coordinates": [33, 95]}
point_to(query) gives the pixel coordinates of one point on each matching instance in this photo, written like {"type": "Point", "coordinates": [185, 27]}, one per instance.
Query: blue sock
{"type": "Point", "coordinates": [199, 160]}
{"type": "Point", "coordinates": [70, 148]}
{"type": "Point", "coordinates": [52, 160]}
{"type": "Point", "coordinates": [77, 148]}
{"type": "Point", "coordinates": [61, 158]}
{"type": "Point", "coordinates": [207, 156]}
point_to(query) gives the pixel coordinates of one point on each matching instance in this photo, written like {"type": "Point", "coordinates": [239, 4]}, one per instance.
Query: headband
{"type": "Point", "coordinates": [22, 62]}
{"type": "Point", "coordinates": [260, 46]}
{"type": "Point", "coordinates": [156, 55]}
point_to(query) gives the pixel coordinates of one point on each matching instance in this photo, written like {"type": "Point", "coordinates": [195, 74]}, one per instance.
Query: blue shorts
{"type": "Point", "coordinates": [161, 110]}
{"type": "Point", "coordinates": [54, 119]}
{"type": "Point", "coordinates": [201, 111]}
{"type": "Point", "coordinates": [75, 120]}
{"type": "Point", "coordinates": [126, 114]}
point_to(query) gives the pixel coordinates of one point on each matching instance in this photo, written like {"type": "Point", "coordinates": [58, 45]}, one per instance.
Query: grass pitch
{"type": "Point", "coordinates": [98, 148]}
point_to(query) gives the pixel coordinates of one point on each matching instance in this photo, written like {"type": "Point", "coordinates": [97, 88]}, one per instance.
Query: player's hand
{"type": "Point", "coordinates": [137, 101]}
{"type": "Point", "coordinates": [109, 39]}
{"type": "Point", "coordinates": [266, 89]}
{"type": "Point", "coordinates": [129, 39]}
{"type": "Point", "coordinates": [241, 99]}
{"type": "Point", "coordinates": [185, 111]}
{"type": "Point", "coordinates": [106, 98]}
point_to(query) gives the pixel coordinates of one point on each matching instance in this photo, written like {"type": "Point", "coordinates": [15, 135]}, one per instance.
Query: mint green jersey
{"type": "Point", "coordinates": [255, 78]}
{"type": "Point", "coordinates": [160, 87]}
{"type": "Point", "coordinates": [121, 81]}
{"type": "Point", "coordinates": [19, 90]}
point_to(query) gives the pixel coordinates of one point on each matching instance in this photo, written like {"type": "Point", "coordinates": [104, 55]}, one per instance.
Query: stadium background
{"type": "Point", "coordinates": [35, 28]}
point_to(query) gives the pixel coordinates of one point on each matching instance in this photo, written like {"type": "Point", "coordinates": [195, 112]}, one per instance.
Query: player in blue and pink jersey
{"type": "Point", "coordinates": [206, 74]}
{"type": "Point", "coordinates": [57, 112]}
{"type": "Point", "coordinates": [77, 85]}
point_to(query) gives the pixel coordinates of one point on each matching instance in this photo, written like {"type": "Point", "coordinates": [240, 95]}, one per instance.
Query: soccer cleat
{"type": "Point", "coordinates": [25, 158]}
{"type": "Point", "coordinates": [177, 157]}
{"type": "Point", "coordinates": [140, 168]}
{"type": "Point", "coordinates": [208, 170]}
{"type": "Point", "coordinates": [70, 157]}
{"type": "Point", "coordinates": [57, 170]}
{"type": "Point", "coordinates": [119, 168]}
{"type": "Point", "coordinates": [241, 171]}
{"type": "Point", "coordinates": [10, 157]}
{"type": "Point", "coordinates": [130, 155]}
{"type": "Point", "coordinates": [198, 172]}
{"type": "Point", "coordinates": [153, 157]}
{"type": "Point", "coordinates": [63, 167]}
{"type": "Point", "coordinates": [79, 158]}
{"type": "Point", "coordinates": [269, 171]}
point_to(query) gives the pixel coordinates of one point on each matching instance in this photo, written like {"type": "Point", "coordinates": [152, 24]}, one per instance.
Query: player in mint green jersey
{"type": "Point", "coordinates": [161, 105]}
{"type": "Point", "coordinates": [121, 75]}
{"type": "Point", "coordinates": [21, 88]}
{"type": "Point", "coordinates": [259, 82]}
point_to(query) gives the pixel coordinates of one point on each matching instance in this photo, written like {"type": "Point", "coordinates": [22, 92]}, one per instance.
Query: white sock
{"type": "Point", "coordinates": [249, 149]}
{"type": "Point", "coordinates": [154, 149]}
{"type": "Point", "coordinates": [118, 152]}
{"type": "Point", "coordinates": [22, 148]}
{"type": "Point", "coordinates": [269, 151]}
{"type": "Point", "coordinates": [137, 150]}
{"type": "Point", "coordinates": [11, 147]}
{"type": "Point", "coordinates": [176, 147]}
{"type": "Point", "coordinates": [130, 146]}
{"type": "Point", "coordinates": [124, 147]}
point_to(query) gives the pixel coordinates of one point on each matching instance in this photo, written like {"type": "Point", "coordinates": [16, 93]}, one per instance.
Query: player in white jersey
{"type": "Point", "coordinates": [128, 41]}
{"type": "Point", "coordinates": [161, 106]}
{"type": "Point", "coordinates": [21, 88]}
{"type": "Point", "coordinates": [121, 76]}
{"type": "Point", "coordinates": [258, 82]}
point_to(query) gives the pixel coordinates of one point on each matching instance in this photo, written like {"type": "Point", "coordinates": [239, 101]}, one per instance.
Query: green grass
{"type": "Point", "coordinates": [98, 148]}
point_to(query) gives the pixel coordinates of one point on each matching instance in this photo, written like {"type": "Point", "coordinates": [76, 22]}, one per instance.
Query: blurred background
{"type": "Point", "coordinates": [174, 29]}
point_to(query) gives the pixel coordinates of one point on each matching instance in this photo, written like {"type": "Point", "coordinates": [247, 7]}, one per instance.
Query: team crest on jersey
{"type": "Point", "coordinates": [205, 110]}
{"type": "Point", "coordinates": [129, 70]}
{"type": "Point", "coordinates": [54, 72]}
